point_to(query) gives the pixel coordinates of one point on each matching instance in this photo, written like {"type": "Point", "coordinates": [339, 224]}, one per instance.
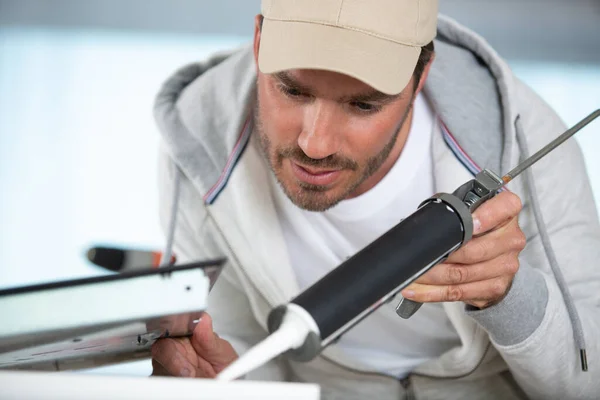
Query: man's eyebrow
{"type": "Point", "coordinates": [287, 80]}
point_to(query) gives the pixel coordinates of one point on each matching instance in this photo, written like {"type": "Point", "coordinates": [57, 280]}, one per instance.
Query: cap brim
{"type": "Point", "coordinates": [382, 64]}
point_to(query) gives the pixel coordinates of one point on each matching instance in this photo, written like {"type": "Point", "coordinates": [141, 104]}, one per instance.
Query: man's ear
{"type": "Point", "coordinates": [257, 29]}
{"type": "Point", "coordinates": [425, 74]}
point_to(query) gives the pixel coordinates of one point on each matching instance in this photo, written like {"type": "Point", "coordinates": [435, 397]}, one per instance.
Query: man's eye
{"type": "Point", "coordinates": [364, 106]}
{"type": "Point", "coordinates": [291, 91]}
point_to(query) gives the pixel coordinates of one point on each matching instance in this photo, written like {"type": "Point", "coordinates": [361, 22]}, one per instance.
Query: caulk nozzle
{"type": "Point", "coordinates": [291, 334]}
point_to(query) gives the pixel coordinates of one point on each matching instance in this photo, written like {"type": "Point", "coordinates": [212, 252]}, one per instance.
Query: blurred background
{"type": "Point", "coordinates": [77, 82]}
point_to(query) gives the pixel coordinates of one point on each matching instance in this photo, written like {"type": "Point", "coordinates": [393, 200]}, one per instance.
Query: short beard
{"type": "Point", "coordinates": [311, 197]}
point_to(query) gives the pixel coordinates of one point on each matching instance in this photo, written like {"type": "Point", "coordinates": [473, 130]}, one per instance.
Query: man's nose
{"type": "Point", "coordinates": [320, 136]}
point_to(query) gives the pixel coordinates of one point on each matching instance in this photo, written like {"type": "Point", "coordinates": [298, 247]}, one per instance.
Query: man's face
{"type": "Point", "coordinates": [328, 136]}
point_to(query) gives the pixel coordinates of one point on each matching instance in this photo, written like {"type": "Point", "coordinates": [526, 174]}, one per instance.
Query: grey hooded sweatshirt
{"type": "Point", "coordinates": [215, 201]}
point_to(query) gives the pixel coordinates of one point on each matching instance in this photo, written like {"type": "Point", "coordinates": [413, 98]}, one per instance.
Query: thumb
{"type": "Point", "coordinates": [210, 346]}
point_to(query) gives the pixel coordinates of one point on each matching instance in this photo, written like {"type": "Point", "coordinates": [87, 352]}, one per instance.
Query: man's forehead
{"type": "Point", "coordinates": [315, 81]}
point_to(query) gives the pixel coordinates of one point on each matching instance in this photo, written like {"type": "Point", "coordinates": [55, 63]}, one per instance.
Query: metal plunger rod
{"type": "Point", "coordinates": [549, 147]}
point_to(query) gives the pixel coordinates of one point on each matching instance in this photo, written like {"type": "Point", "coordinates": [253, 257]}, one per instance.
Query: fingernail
{"type": "Point", "coordinates": [408, 294]}
{"type": "Point", "coordinates": [185, 373]}
{"type": "Point", "coordinates": [476, 226]}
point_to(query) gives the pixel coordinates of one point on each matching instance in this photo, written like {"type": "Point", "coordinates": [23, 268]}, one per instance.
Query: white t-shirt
{"type": "Point", "coordinates": [319, 241]}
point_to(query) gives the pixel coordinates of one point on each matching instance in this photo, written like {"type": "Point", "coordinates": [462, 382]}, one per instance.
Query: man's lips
{"type": "Point", "coordinates": [315, 176]}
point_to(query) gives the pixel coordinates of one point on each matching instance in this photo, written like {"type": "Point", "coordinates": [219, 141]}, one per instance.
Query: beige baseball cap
{"type": "Point", "coordinates": [375, 41]}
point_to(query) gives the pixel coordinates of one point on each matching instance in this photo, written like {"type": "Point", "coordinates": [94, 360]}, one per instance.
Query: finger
{"type": "Point", "coordinates": [495, 211]}
{"type": "Point", "coordinates": [508, 239]}
{"type": "Point", "coordinates": [453, 274]}
{"type": "Point", "coordinates": [158, 369]}
{"type": "Point", "coordinates": [169, 353]}
{"type": "Point", "coordinates": [486, 291]}
{"type": "Point", "coordinates": [208, 345]}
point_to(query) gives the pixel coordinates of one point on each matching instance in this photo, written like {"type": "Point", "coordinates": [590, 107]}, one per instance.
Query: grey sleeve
{"type": "Point", "coordinates": [520, 313]}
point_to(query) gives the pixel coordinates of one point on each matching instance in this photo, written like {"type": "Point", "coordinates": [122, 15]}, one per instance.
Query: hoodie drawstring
{"type": "Point", "coordinates": [166, 257]}
{"type": "Point", "coordinates": [562, 285]}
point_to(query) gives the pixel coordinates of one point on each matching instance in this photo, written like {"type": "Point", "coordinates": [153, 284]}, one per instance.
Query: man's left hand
{"type": "Point", "coordinates": [481, 272]}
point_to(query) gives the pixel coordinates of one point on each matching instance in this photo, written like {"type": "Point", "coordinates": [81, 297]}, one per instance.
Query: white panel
{"type": "Point", "coordinates": [64, 386]}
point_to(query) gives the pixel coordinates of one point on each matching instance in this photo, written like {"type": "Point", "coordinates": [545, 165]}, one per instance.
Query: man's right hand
{"type": "Point", "coordinates": [203, 355]}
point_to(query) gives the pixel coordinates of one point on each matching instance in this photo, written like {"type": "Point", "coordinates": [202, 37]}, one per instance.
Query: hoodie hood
{"type": "Point", "coordinates": [193, 103]}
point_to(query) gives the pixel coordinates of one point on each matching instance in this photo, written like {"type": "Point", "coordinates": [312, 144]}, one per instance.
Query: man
{"type": "Point", "coordinates": [293, 154]}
